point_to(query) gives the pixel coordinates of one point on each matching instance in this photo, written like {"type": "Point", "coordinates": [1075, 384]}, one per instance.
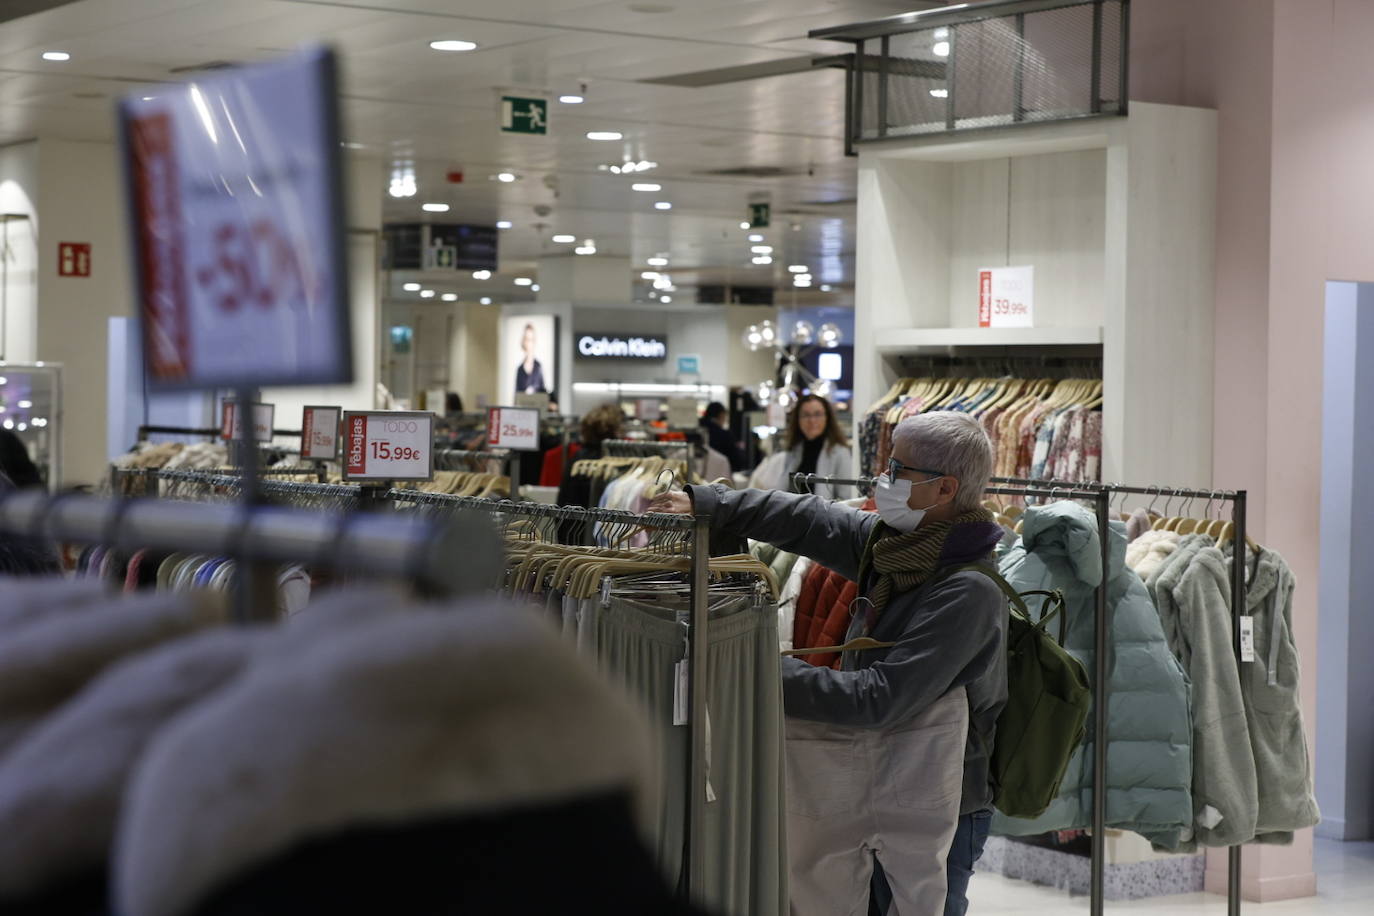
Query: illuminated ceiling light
{"type": "Point", "coordinates": [649, 275]}
{"type": "Point", "coordinates": [941, 49]}
{"type": "Point", "coordinates": [801, 283]}
{"type": "Point", "coordinates": [56, 55]}
{"type": "Point", "coordinates": [411, 287]}
{"type": "Point", "coordinates": [523, 281]}
{"type": "Point", "coordinates": [657, 262]}
{"type": "Point", "coordinates": [9, 424]}
{"type": "Point", "coordinates": [148, 98]}
{"type": "Point", "coordinates": [744, 225]}
{"type": "Point", "coordinates": [646, 186]}
{"type": "Point", "coordinates": [571, 99]}
{"type": "Point", "coordinates": [585, 249]}
{"type": "Point", "coordinates": [763, 259]}
{"type": "Point", "coordinates": [426, 294]}
{"type": "Point", "coordinates": [797, 268]}
{"type": "Point", "coordinates": [506, 177]}
{"type": "Point", "coordinates": [825, 287]}
{"type": "Point", "coordinates": [940, 93]}
{"type": "Point", "coordinates": [485, 300]}
{"type": "Point", "coordinates": [804, 278]}
{"type": "Point", "coordinates": [941, 33]}
{"type": "Point", "coordinates": [434, 208]}
{"type": "Point", "coordinates": [665, 299]}
{"type": "Point", "coordinates": [503, 224]}
{"type": "Point", "coordinates": [755, 237]}
{"type": "Point", "coordinates": [565, 239]}
{"type": "Point", "coordinates": [481, 275]}
{"type": "Point", "coordinates": [25, 405]}
{"type": "Point", "coordinates": [762, 249]}
{"type": "Point", "coordinates": [663, 205]}
{"type": "Point", "coordinates": [605, 135]}
{"type": "Point", "coordinates": [452, 44]}
{"type": "Point", "coordinates": [535, 287]}
{"type": "Point", "coordinates": [449, 297]}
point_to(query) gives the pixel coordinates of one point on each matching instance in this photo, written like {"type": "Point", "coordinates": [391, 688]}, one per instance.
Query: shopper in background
{"type": "Point", "coordinates": [716, 422]}
{"type": "Point", "coordinates": [816, 444]}
{"type": "Point", "coordinates": [16, 464]}
{"type": "Point", "coordinates": [599, 424]}
{"type": "Point", "coordinates": [889, 756]}
{"type": "Point", "coordinates": [24, 556]}
{"type": "Point", "coordinates": [453, 404]}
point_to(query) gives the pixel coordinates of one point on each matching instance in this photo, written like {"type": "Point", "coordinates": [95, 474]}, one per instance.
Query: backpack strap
{"type": "Point", "coordinates": [1053, 604]}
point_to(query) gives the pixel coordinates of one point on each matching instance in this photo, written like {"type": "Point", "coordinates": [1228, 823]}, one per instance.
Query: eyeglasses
{"type": "Point", "coordinates": [895, 467]}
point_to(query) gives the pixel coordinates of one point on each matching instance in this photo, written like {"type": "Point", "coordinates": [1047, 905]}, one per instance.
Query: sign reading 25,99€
{"type": "Point", "coordinates": [238, 229]}
{"type": "Point", "coordinates": [388, 445]}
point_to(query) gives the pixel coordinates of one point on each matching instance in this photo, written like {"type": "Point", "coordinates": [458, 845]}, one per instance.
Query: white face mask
{"type": "Point", "coordinates": [892, 497]}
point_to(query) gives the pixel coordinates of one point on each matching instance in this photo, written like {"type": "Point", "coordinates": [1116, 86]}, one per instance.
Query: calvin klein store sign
{"type": "Point", "coordinates": [612, 346]}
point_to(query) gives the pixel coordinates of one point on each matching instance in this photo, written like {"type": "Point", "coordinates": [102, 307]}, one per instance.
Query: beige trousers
{"type": "Point", "coordinates": [853, 793]}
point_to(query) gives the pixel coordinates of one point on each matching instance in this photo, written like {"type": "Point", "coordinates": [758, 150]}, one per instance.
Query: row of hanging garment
{"type": "Point", "coordinates": [157, 762]}
{"type": "Point", "coordinates": [1040, 428]}
{"type": "Point", "coordinates": [1252, 778]}
{"type": "Point", "coordinates": [463, 483]}
{"type": "Point", "coordinates": [169, 455]}
{"type": "Point", "coordinates": [628, 610]}
{"type": "Point", "coordinates": [629, 485]}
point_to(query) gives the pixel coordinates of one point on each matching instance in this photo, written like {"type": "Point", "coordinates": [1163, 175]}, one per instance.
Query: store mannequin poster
{"type": "Point", "coordinates": [529, 354]}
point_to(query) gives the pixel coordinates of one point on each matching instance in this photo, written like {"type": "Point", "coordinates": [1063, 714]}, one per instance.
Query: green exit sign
{"type": "Point", "coordinates": [524, 116]}
{"type": "Point", "coordinates": [758, 215]}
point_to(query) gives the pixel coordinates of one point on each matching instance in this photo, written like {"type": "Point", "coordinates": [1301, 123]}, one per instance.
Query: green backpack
{"type": "Point", "coordinates": [1048, 700]}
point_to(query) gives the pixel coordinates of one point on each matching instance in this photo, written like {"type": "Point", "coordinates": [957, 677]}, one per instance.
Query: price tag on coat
{"type": "Point", "coordinates": [680, 690]}
{"type": "Point", "coordinates": [1247, 639]}
{"type": "Point", "coordinates": [389, 445]}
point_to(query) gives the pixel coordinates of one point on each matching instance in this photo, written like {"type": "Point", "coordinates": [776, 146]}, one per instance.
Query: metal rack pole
{"type": "Point", "coordinates": [698, 653]}
{"type": "Point", "coordinates": [1101, 646]}
{"type": "Point", "coordinates": [1239, 595]}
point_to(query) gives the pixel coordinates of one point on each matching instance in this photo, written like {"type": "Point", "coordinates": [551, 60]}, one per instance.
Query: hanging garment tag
{"type": "Point", "coordinates": [710, 792]}
{"type": "Point", "coordinates": [605, 591]}
{"type": "Point", "coordinates": [1247, 639]}
{"type": "Point", "coordinates": [680, 693]}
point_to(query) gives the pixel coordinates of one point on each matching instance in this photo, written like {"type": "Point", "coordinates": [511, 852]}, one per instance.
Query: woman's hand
{"type": "Point", "coordinates": [672, 504]}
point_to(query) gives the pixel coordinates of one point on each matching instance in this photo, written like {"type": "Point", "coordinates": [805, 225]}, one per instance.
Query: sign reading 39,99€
{"type": "Point", "coordinates": [238, 226]}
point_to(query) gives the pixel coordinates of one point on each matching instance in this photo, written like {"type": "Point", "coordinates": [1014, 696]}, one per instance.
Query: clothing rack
{"type": "Point", "coordinates": [410, 547]}
{"type": "Point", "coordinates": [341, 496]}
{"type": "Point", "coordinates": [634, 448]}
{"type": "Point", "coordinates": [696, 530]}
{"type": "Point", "coordinates": [445, 459]}
{"type": "Point", "coordinates": [1101, 495]}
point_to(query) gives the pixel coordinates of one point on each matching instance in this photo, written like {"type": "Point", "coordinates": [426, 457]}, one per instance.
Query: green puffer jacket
{"type": "Point", "coordinates": [1149, 737]}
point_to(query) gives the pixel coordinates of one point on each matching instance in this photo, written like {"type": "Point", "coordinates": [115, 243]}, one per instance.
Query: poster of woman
{"type": "Point", "coordinates": [529, 353]}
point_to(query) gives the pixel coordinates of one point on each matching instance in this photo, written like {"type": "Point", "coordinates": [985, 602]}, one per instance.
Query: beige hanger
{"type": "Point", "coordinates": [854, 645]}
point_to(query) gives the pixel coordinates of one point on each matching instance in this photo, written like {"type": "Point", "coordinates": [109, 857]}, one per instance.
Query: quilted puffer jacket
{"type": "Point", "coordinates": [1149, 730]}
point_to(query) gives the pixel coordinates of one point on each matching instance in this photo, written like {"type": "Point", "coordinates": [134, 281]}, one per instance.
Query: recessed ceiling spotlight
{"type": "Point", "coordinates": [449, 297]}
{"type": "Point", "coordinates": [745, 225]}
{"type": "Point", "coordinates": [434, 208]}
{"type": "Point", "coordinates": [646, 186]}
{"type": "Point", "coordinates": [763, 259]}
{"type": "Point", "coordinates": [804, 278]}
{"type": "Point", "coordinates": [571, 99]}
{"type": "Point", "coordinates": [797, 268]}
{"type": "Point", "coordinates": [481, 275]}
{"type": "Point", "coordinates": [523, 281]}
{"type": "Point", "coordinates": [825, 287]}
{"type": "Point", "coordinates": [426, 294]}
{"type": "Point", "coordinates": [649, 275]}
{"type": "Point", "coordinates": [663, 205]}
{"type": "Point", "coordinates": [149, 98]}
{"type": "Point", "coordinates": [535, 287]}
{"type": "Point", "coordinates": [939, 93]}
{"type": "Point", "coordinates": [801, 283]}
{"type": "Point", "coordinates": [657, 262]}
{"type": "Point", "coordinates": [665, 299]}
{"type": "Point", "coordinates": [56, 55]}
{"type": "Point", "coordinates": [485, 300]}
{"type": "Point", "coordinates": [941, 49]}
{"type": "Point", "coordinates": [503, 224]}
{"type": "Point", "coordinates": [941, 33]}
{"type": "Point", "coordinates": [605, 135]}
{"type": "Point", "coordinates": [755, 237]}
{"type": "Point", "coordinates": [565, 239]}
{"type": "Point", "coordinates": [453, 44]}
{"type": "Point", "coordinates": [761, 249]}
{"type": "Point", "coordinates": [411, 287]}
{"type": "Point", "coordinates": [585, 249]}
{"type": "Point", "coordinates": [506, 177]}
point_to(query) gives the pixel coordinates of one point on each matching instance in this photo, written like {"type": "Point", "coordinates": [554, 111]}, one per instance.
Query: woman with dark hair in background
{"type": "Point", "coordinates": [16, 464]}
{"type": "Point", "coordinates": [24, 556]}
{"type": "Point", "coordinates": [816, 445]}
{"type": "Point", "coordinates": [600, 423]}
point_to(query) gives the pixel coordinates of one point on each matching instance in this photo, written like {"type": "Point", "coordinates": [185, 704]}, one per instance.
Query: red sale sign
{"type": "Point", "coordinates": [1006, 297]}
{"type": "Point", "coordinates": [515, 428]}
{"type": "Point", "coordinates": [320, 433]}
{"type": "Point", "coordinates": [389, 445]}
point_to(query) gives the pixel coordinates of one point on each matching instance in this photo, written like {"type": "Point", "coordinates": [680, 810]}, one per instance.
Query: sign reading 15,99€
{"type": "Point", "coordinates": [1006, 297]}
{"type": "Point", "coordinates": [388, 445]}
{"type": "Point", "coordinates": [238, 229]}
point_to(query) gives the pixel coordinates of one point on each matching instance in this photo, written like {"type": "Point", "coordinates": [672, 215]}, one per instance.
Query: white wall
{"type": "Point", "coordinates": [19, 198]}
{"type": "Point", "coordinates": [1344, 759]}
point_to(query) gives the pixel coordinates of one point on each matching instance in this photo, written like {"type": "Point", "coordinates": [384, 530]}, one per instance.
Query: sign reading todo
{"type": "Point", "coordinates": [231, 421]}
{"type": "Point", "coordinates": [320, 433]}
{"type": "Point", "coordinates": [238, 228]}
{"type": "Point", "coordinates": [389, 445]}
{"type": "Point", "coordinates": [1006, 297]}
{"type": "Point", "coordinates": [515, 428]}
{"type": "Point", "coordinates": [615, 346]}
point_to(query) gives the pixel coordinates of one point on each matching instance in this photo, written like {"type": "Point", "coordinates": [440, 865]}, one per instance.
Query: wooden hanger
{"type": "Point", "coordinates": [854, 645]}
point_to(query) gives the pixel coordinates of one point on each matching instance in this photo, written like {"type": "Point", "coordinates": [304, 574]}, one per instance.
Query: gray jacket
{"type": "Point", "coordinates": [950, 632]}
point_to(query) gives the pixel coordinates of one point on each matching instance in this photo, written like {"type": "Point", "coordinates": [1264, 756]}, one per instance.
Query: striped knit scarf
{"type": "Point", "coordinates": [902, 562]}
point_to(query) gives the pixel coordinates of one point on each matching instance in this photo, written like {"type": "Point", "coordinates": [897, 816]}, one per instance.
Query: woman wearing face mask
{"type": "Point", "coordinates": [816, 445]}
{"type": "Point", "coordinates": [900, 736]}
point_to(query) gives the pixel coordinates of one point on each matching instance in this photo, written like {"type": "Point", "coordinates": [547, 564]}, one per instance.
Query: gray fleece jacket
{"type": "Point", "coordinates": [949, 632]}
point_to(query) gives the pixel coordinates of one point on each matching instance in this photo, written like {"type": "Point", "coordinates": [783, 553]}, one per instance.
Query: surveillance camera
{"type": "Point", "coordinates": [542, 210]}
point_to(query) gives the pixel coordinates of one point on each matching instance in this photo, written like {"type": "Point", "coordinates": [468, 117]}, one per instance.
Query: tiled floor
{"type": "Point", "coordinates": [1345, 887]}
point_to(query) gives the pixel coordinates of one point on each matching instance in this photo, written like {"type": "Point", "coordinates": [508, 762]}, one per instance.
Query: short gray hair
{"type": "Point", "coordinates": [950, 442]}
